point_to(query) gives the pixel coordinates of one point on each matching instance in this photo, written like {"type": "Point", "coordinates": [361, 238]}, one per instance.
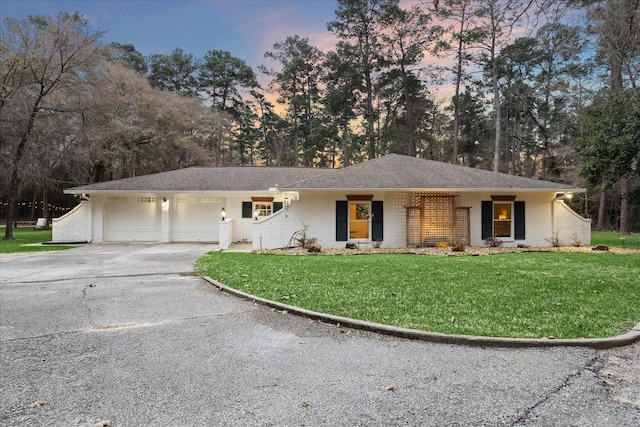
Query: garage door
{"type": "Point", "coordinates": [195, 219]}
{"type": "Point", "coordinates": [132, 219]}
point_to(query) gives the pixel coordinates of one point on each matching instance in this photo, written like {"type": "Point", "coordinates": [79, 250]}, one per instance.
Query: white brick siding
{"type": "Point", "coordinates": [226, 233]}
{"type": "Point", "coordinates": [317, 211]}
{"type": "Point", "coordinates": [75, 225]}
{"type": "Point", "coordinates": [570, 227]}
{"type": "Point", "coordinates": [544, 217]}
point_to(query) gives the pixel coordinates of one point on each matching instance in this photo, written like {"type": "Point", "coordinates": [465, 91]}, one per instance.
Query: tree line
{"type": "Point", "coordinates": [541, 88]}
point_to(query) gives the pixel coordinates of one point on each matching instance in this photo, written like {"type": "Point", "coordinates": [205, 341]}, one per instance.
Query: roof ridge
{"type": "Point", "coordinates": [335, 170]}
{"type": "Point", "coordinates": [249, 167]}
{"type": "Point", "coordinates": [329, 171]}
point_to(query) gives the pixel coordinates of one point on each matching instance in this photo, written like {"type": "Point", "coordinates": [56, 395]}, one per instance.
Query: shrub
{"type": "Point", "coordinates": [493, 242]}
{"type": "Point", "coordinates": [554, 241]}
{"type": "Point", "coordinates": [301, 238]}
{"type": "Point", "coordinates": [575, 242]}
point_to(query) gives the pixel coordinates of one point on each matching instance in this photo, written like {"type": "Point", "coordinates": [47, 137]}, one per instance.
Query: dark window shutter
{"type": "Point", "coordinates": [247, 207]}
{"type": "Point", "coordinates": [342, 215]}
{"type": "Point", "coordinates": [487, 219]}
{"type": "Point", "coordinates": [277, 206]}
{"type": "Point", "coordinates": [377, 223]}
{"type": "Point", "coordinates": [518, 225]}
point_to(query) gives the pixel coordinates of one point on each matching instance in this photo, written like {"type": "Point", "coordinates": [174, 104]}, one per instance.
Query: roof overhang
{"type": "Point", "coordinates": [79, 191]}
{"type": "Point", "coordinates": [76, 191]}
{"type": "Point", "coordinates": [442, 190]}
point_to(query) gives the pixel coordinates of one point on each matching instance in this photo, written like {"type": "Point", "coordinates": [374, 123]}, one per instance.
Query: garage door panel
{"type": "Point", "coordinates": [195, 219]}
{"type": "Point", "coordinates": [132, 219]}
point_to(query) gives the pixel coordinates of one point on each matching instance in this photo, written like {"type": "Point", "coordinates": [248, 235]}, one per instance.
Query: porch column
{"type": "Point", "coordinates": [226, 234]}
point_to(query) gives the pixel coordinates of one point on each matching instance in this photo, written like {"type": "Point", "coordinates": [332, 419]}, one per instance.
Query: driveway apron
{"type": "Point", "coordinates": [127, 335]}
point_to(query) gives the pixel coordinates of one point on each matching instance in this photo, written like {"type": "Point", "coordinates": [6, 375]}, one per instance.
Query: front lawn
{"type": "Point", "coordinates": [27, 236]}
{"type": "Point", "coordinates": [614, 239]}
{"type": "Point", "coordinates": [525, 295]}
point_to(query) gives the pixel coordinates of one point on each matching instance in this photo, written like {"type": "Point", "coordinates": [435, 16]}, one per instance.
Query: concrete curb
{"type": "Point", "coordinates": [598, 343]}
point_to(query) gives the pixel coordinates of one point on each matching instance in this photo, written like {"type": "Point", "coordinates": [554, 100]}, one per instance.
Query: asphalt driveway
{"type": "Point", "coordinates": [127, 334]}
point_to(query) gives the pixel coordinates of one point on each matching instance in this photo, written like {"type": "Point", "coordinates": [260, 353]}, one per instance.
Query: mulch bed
{"type": "Point", "coordinates": [469, 250]}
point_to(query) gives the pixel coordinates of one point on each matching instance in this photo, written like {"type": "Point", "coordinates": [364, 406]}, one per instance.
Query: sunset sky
{"type": "Point", "coordinates": [246, 28]}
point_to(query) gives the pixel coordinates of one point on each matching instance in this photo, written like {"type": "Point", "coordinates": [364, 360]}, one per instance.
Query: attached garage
{"type": "Point", "coordinates": [132, 219]}
{"type": "Point", "coordinates": [195, 219]}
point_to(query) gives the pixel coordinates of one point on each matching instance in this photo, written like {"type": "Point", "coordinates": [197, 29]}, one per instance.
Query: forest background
{"type": "Point", "coordinates": [541, 88]}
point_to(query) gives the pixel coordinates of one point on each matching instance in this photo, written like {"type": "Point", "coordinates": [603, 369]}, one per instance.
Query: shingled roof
{"type": "Point", "coordinates": [398, 172]}
{"type": "Point", "coordinates": [205, 179]}
{"type": "Point", "coordinates": [390, 172]}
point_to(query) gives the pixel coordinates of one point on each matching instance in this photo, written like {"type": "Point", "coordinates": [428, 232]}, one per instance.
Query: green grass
{"type": "Point", "coordinates": [614, 239]}
{"type": "Point", "coordinates": [525, 295]}
{"type": "Point", "coordinates": [26, 236]}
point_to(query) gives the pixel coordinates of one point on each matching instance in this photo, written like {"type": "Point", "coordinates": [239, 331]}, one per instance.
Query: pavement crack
{"type": "Point", "coordinates": [116, 327]}
{"type": "Point", "coordinates": [108, 276]}
{"type": "Point", "coordinates": [593, 365]}
{"type": "Point", "coordinates": [83, 302]}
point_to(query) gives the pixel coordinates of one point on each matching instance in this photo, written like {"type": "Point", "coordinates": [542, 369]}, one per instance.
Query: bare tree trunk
{"type": "Point", "coordinates": [602, 208]}
{"type": "Point", "coordinates": [370, 119]}
{"type": "Point", "coordinates": [409, 108]}
{"type": "Point", "coordinates": [625, 206]}
{"type": "Point", "coordinates": [14, 180]}
{"type": "Point", "coordinates": [456, 112]}
{"type": "Point", "coordinates": [496, 106]}
{"type": "Point", "coordinates": [45, 200]}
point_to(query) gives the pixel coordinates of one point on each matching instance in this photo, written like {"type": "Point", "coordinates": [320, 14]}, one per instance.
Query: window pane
{"type": "Point", "coordinates": [502, 219]}
{"type": "Point", "coordinates": [501, 211]}
{"type": "Point", "coordinates": [502, 228]}
{"type": "Point", "coordinates": [264, 209]}
{"type": "Point", "coordinates": [359, 220]}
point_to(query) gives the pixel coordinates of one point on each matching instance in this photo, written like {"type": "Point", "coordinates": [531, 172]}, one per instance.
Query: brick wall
{"type": "Point", "coordinates": [569, 227]}
{"type": "Point", "coordinates": [225, 233]}
{"type": "Point", "coordinates": [318, 212]}
{"type": "Point", "coordinates": [543, 217]}
{"type": "Point", "coordinates": [75, 226]}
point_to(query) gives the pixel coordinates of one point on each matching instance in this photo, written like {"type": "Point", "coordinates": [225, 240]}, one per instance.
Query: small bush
{"type": "Point", "coordinates": [302, 239]}
{"type": "Point", "coordinates": [575, 242]}
{"type": "Point", "coordinates": [458, 248]}
{"type": "Point", "coordinates": [493, 242]}
{"type": "Point", "coordinates": [554, 241]}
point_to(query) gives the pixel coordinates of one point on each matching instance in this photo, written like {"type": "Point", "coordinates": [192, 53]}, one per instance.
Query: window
{"type": "Point", "coordinates": [146, 199]}
{"type": "Point", "coordinates": [262, 208]}
{"type": "Point", "coordinates": [359, 220]}
{"type": "Point", "coordinates": [118, 199]}
{"type": "Point", "coordinates": [502, 219]}
{"type": "Point", "coordinates": [247, 210]}
{"type": "Point", "coordinates": [347, 221]}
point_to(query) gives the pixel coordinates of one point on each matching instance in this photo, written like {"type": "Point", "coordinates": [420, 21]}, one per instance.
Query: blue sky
{"type": "Point", "coordinates": [246, 28]}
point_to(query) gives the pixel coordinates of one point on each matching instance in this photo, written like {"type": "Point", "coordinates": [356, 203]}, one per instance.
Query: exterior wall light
{"type": "Point", "coordinates": [223, 213]}
{"type": "Point", "coordinates": [256, 213]}
{"type": "Point", "coordinates": [165, 204]}
{"type": "Point", "coordinates": [564, 196]}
